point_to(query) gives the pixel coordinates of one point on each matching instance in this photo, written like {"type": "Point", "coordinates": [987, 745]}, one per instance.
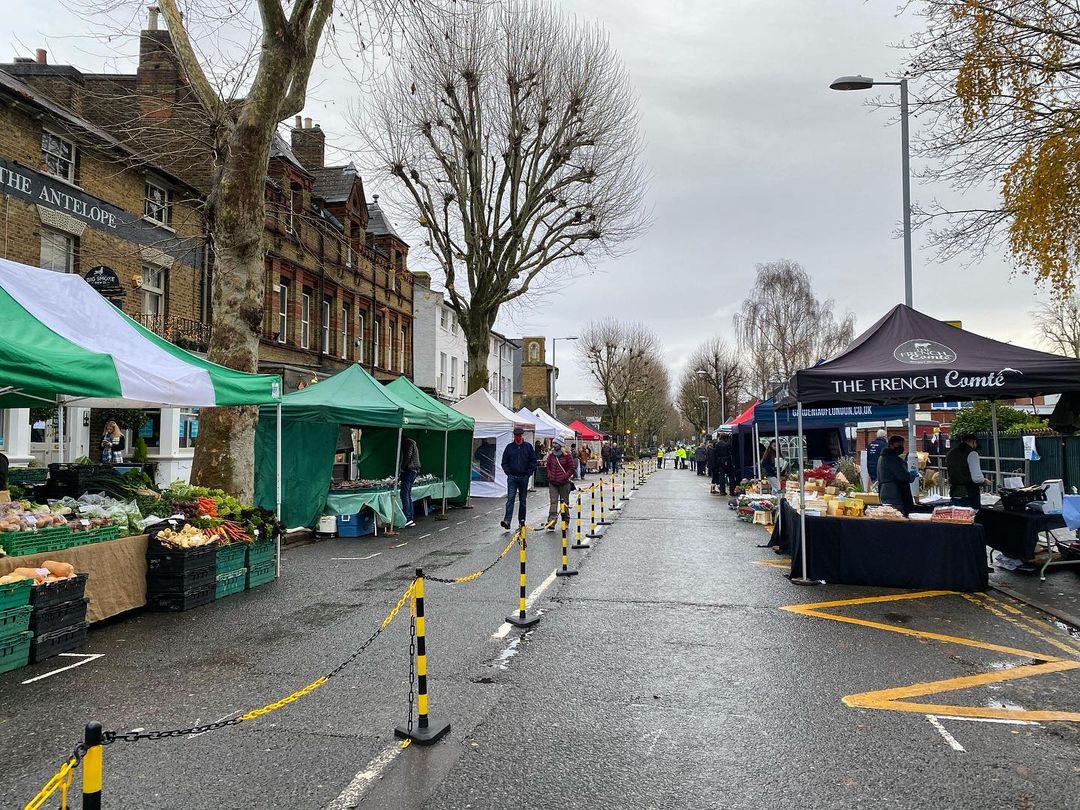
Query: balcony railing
{"type": "Point", "coordinates": [183, 332]}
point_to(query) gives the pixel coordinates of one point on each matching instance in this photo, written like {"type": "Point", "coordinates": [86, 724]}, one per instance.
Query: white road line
{"type": "Point", "coordinates": [368, 557]}
{"type": "Point", "coordinates": [421, 537]}
{"type": "Point", "coordinates": [87, 658]}
{"type": "Point", "coordinates": [949, 738]}
{"type": "Point", "coordinates": [504, 628]}
{"type": "Point", "coordinates": [352, 795]}
{"type": "Point", "coordinates": [1002, 720]}
{"type": "Point", "coordinates": [401, 545]}
{"type": "Point", "coordinates": [444, 528]}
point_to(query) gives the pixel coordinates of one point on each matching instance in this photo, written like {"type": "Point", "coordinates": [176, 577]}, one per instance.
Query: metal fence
{"type": "Point", "coordinates": [1059, 457]}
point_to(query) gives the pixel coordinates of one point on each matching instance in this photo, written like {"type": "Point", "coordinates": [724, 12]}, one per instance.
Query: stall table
{"type": "Point", "coordinates": [1016, 534]}
{"type": "Point", "coordinates": [116, 569]}
{"type": "Point", "coordinates": [888, 554]}
{"type": "Point", "coordinates": [385, 503]}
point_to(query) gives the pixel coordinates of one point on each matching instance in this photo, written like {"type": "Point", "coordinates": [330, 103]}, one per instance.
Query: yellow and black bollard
{"type": "Point", "coordinates": [593, 533]}
{"type": "Point", "coordinates": [92, 767]}
{"type": "Point", "coordinates": [426, 731]}
{"type": "Point", "coordinates": [614, 504]}
{"type": "Point", "coordinates": [522, 617]}
{"type": "Point", "coordinates": [624, 496]}
{"type": "Point", "coordinates": [564, 571]}
{"type": "Point", "coordinates": [603, 521]}
{"type": "Point", "coordinates": [579, 542]}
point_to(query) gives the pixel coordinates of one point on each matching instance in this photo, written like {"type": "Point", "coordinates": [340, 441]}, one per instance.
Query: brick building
{"type": "Point", "coordinates": [536, 375]}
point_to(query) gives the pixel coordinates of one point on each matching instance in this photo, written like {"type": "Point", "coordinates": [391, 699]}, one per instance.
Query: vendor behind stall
{"type": "Point", "coordinates": [965, 472]}
{"type": "Point", "coordinates": [894, 478]}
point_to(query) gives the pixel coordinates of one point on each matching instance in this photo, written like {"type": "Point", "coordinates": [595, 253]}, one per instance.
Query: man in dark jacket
{"type": "Point", "coordinates": [605, 456]}
{"type": "Point", "coordinates": [560, 469]}
{"type": "Point", "coordinates": [518, 463]}
{"type": "Point", "coordinates": [701, 459]}
{"type": "Point", "coordinates": [965, 472]}
{"type": "Point", "coordinates": [723, 467]}
{"type": "Point", "coordinates": [408, 469]}
{"type": "Point", "coordinates": [615, 456]}
{"type": "Point", "coordinates": [894, 477]}
{"type": "Point", "coordinates": [873, 453]}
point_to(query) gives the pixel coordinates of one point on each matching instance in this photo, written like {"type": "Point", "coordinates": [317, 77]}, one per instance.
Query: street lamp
{"type": "Point", "coordinates": [555, 371]}
{"type": "Point", "coordinates": [706, 401]}
{"type": "Point", "coordinates": [723, 396]}
{"type": "Point", "coordinates": [865, 83]}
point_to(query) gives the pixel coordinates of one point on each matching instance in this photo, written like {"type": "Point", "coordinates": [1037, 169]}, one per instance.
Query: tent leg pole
{"type": "Point", "coordinates": [60, 429]}
{"type": "Point", "coordinates": [277, 482]}
{"type": "Point", "coordinates": [445, 447]}
{"type": "Point", "coordinates": [776, 461]}
{"type": "Point", "coordinates": [804, 579]}
{"type": "Point", "coordinates": [397, 483]}
{"type": "Point", "coordinates": [997, 449]}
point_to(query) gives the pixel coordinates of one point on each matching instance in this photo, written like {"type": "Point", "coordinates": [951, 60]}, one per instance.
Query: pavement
{"type": "Point", "coordinates": [668, 673]}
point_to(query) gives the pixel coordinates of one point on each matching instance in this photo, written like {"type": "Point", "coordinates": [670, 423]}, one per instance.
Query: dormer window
{"type": "Point", "coordinates": [156, 204]}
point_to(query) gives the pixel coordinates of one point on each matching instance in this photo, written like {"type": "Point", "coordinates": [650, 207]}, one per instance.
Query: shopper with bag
{"type": "Point", "coordinates": [560, 471]}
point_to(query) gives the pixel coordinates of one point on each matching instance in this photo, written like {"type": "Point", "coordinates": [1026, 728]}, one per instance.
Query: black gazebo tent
{"type": "Point", "coordinates": [909, 357]}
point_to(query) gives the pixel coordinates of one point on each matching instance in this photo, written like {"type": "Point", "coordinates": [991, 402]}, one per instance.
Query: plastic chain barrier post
{"type": "Point", "coordinates": [579, 542]}
{"type": "Point", "coordinates": [92, 767]}
{"type": "Point", "coordinates": [624, 497]}
{"type": "Point", "coordinates": [614, 504]}
{"type": "Point", "coordinates": [522, 617]}
{"type": "Point", "coordinates": [603, 521]}
{"type": "Point", "coordinates": [565, 519]}
{"type": "Point", "coordinates": [593, 533]}
{"type": "Point", "coordinates": [426, 731]}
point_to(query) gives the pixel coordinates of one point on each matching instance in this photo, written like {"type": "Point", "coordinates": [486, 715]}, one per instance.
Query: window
{"type": "Point", "coordinates": [156, 205]}
{"type": "Point", "coordinates": [401, 350]}
{"type": "Point", "coordinates": [305, 319]}
{"type": "Point", "coordinates": [57, 251]}
{"type": "Point", "coordinates": [283, 311]}
{"type": "Point", "coordinates": [189, 426]}
{"type": "Point", "coordinates": [376, 330]}
{"type": "Point", "coordinates": [290, 207]}
{"type": "Point", "coordinates": [453, 375]}
{"type": "Point", "coordinates": [444, 317]}
{"type": "Point", "coordinates": [326, 304]}
{"type": "Point", "coordinates": [441, 387]}
{"type": "Point", "coordinates": [346, 318]}
{"type": "Point", "coordinates": [58, 156]}
{"type": "Point", "coordinates": [153, 290]}
{"type": "Point", "coordinates": [360, 339]}
{"type": "Point", "coordinates": [391, 277]}
{"type": "Point", "coordinates": [389, 346]}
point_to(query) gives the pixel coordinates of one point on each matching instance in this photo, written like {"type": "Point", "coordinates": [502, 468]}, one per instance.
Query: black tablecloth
{"type": "Point", "coordinates": [1015, 533]}
{"type": "Point", "coordinates": [889, 554]}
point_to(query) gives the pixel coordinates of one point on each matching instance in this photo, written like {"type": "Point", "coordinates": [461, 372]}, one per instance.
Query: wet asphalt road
{"type": "Point", "coordinates": [664, 675]}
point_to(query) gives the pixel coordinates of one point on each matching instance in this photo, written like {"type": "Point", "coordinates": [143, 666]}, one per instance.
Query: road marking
{"type": "Point", "coordinates": [229, 716]}
{"type": "Point", "coordinates": [350, 797]}
{"type": "Point", "coordinates": [505, 627]}
{"type": "Point", "coordinates": [1020, 621]}
{"type": "Point", "coordinates": [774, 563]}
{"type": "Point", "coordinates": [400, 545]}
{"type": "Point", "coordinates": [503, 661]}
{"type": "Point", "coordinates": [421, 537]}
{"type": "Point", "coordinates": [989, 720]}
{"type": "Point", "coordinates": [949, 738]}
{"type": "Point", "coordinates": [443, 529]}
{"type": "Point", "coordinates": [87, 658]}
{"type": "Point", "coordinates": [368, 557]}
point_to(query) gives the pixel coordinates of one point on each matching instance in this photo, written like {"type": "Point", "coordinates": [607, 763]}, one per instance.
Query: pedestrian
{"type": "Point", "coordinates": [680, 457]}
{"type": "Point", "coordinates": [560, 469]}
{"type": "Point", "coordinates": [701, 458]}
{"type": "Point", "coordinates": [4, 463]}
{"type": "Point", "coordinates": [577, 461]}
{"type": "Point", "coordinates": [660, 457]}
{"type": "Point", "coordinates": [894, 478]}
{"type": "Point", "coordinates": [605, 456]}
{"type": "Point", "coordinates": [615, 454]}
{"type": "Point", "coordinates": [723, 478]}
{"type": "Point", "coordinates": [583, 456]}
{"type": "Point", "coordinates": [768, 466]}
{"type": "Point", "coordinates": [873, 453]}
{"type": "Point", "coordinates": [518, 464]}
{"type": "Point", "coordinates": [408, 469]}
{"type": "Point", "coordinates": [113, 444]}
{"type": "Point", "coordinates": [965, 472]}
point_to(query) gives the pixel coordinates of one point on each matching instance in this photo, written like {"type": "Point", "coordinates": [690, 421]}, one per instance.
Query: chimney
{"type": "Point", "coordinates": [309, 144]}
{"type": "Point", "coordinates": [152, 23]}
{"type": "Point", "coordinates": [41, 56]}
{"type": "Point", "coordinates": [422, 279]}
{"type": "Point", "coordinates": [23, 60]}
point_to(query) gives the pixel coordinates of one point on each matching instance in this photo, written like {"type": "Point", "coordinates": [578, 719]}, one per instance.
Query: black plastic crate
{"type": "Point", "coordinates": [54, 593]}
{"type": "Point", "coordinates": [158, 582]}
{"type": "Point", "coordinates": [55, 617]}
{"type": "Point", "coordinates": [181, 601]}
{"type": "Point", "coordinates": [180, 560]}
{"type": "Point", "coordinates": [58, 641]}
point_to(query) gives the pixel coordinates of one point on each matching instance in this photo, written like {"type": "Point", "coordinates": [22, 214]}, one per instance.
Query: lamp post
{"type": "Point", "coordinates": [723, 396]}
{"type": "Point", "coordinates": [555, 371]}
{"type": "Point", "coordinates": [706, 401]}
{"type": "Point", "coordinates": [865, 83]}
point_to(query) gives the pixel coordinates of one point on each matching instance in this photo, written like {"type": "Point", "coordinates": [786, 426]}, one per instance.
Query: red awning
{"type": "Point", "coordinates": [745, 416]}
{"type": "Point", "coordinates": [584, 432]}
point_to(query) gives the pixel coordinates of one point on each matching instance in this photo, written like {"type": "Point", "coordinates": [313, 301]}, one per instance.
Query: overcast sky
{"type": "Point", "coordinates": [752, 159]}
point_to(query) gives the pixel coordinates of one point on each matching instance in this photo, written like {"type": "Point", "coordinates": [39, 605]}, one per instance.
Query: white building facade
{"type": "Point", "coordinates": [501, 368]}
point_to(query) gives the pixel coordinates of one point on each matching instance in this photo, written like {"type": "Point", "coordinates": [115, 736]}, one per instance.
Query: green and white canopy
{"type": "Point", "coordinates": [60, 339]}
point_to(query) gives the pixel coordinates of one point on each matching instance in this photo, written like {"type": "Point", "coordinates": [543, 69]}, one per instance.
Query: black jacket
{"type": "Point", "coordinates": [894, 481]}
{"type": "Point", "coordinates": [519, 460]}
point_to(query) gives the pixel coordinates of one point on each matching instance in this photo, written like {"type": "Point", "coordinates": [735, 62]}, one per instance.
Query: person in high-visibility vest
{"type": "Point", "coordinates": [680, 457]}
{"type": "Point", "coordinates": [660, 457]}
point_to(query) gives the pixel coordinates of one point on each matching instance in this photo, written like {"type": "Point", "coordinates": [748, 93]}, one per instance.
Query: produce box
{"type": "Point", "coordinates": [159, 582]}
{"type": "Point", "coordinates": [27, 475]}
{"type": "Point", "coordinates": [230, 582]}
{"type": "Point", "coordinates": [15, 651]}
{"type": "Point", "coordinates": [185, 600]}
{"type": "Point", "coordinates": [98, 535]}
{"type": "Point", "coordinates": [54, 593]}
{"type": "Point", "coordinates": [36, 541]}
{"type": "Point", "coordinates": [261, 552]}
{"type": "Point", "coordinates": [14, 621]}
{"type": "Point", "coordinates": [261, 573]}
{"type": "Point", "coordinates": [161, 559]}
{"type": "Point", "coordinates": [58, 641]}
{"type": "Point", "coordinates": [230, 558]}
{"type": "Point", "coordinates": [15, 594]}
{"type": "Point", "coordinates": [55, 617]}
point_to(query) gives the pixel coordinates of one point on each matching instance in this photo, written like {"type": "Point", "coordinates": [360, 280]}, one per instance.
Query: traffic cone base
{"type": "Point", "coordinates": [435, 731]}
{"type": "Point", "coordinates": [580, 546]}
{"type": "Point", "coordinates": [569, 572]}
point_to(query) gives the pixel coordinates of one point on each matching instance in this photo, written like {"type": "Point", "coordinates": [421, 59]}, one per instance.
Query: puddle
{"type": "Point", "coordinates": [1003, 704]}
{"type": "Point", "coordinates": [1066, 628]}
{"type": "Point", "coordinates": [898, 618]}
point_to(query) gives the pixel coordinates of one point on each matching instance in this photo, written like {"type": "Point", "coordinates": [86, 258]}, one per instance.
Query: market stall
{"type": "Point", "coordinates": [908, 357]}
{"type": "Point", "coordinates": [550, 424]}
{"type": "Point", "coordinates": [591, 440]}
{"type": "Point", "coordinates": [493, 430]}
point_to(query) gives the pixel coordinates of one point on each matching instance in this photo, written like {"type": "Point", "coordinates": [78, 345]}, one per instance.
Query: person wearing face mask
{"type": "Point", "coordinates": [560, 471]}
{"type": "Point", "coordinates": [518, 463]}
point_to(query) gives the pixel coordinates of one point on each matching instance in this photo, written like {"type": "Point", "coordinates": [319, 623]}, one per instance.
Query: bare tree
{"type": "Point", "coordinates": [513, 131]}
{"type": "Point", "coordinates": [723, 381]}
{"type": "Point", "coordinates": [1058, 322]}
{"type": "Point", "coordinates": [623, 361]}
{"type": "Point", "coordinates": [996, 89]}
{"type": "Point", "coordinates": [784, 327]}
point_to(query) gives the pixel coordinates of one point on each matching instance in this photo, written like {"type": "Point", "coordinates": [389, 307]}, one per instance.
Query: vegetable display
{"type": "Point", "coordinates": [48, 571]}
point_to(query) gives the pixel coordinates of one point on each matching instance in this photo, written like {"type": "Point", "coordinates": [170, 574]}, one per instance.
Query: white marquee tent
{"type": "Point", "coordinates": [552, 427]}
{"type": "Point", "coordinates": [493, 430]}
